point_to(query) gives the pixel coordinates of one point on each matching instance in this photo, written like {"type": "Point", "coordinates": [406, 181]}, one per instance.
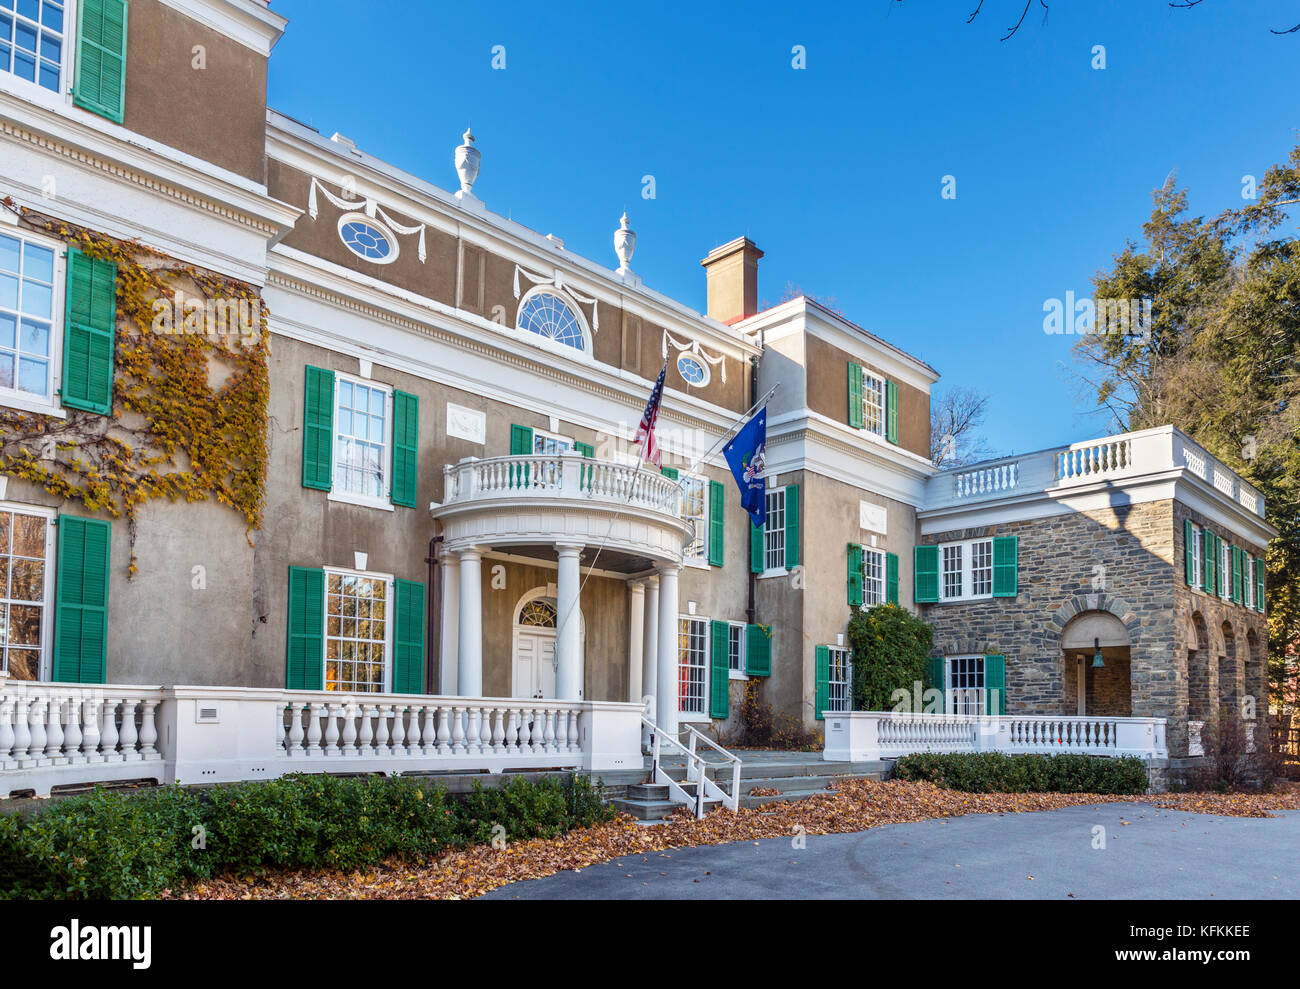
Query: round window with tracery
{"type": "Point", "coordinates": [537, 614]}
{"type": "Point", "coordinates": [692, 370]}
{"type": "Point", "coordinates": [367, 239]}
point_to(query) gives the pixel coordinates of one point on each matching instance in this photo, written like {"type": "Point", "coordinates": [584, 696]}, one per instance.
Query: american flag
{"type": "Point", "coordinates": [645, 433]}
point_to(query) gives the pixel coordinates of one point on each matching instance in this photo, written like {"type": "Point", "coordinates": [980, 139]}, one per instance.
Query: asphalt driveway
{"type": "Point", "coordinates": [1148, 854]}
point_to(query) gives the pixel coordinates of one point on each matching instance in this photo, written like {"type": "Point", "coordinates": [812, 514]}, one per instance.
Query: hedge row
{"type": "Point", "coordinates": [114, 845]}
{"type": "Point", "coordinates": [994, 772]}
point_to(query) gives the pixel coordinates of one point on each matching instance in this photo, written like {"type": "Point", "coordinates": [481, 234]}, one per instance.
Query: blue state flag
{"type": "Point", "coordinates": [746, 455]}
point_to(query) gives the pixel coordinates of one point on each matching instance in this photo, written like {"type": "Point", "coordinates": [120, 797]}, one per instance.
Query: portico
{"type": "Point", "coordinates": [582, 520]}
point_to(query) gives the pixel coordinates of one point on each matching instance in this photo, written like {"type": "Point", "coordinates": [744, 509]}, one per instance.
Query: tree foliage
{"type": "Point", "coordinates": [1222, 358]}
{"type": "Point", "coordinates": [890, 649]}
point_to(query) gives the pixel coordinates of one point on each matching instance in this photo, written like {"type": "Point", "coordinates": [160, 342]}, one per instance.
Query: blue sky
{"type": "Point", "coordinates": [836, 170]}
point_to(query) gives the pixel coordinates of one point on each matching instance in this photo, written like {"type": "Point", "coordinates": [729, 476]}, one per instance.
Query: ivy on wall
{"type": "Point", "coordinates": [190, 394]}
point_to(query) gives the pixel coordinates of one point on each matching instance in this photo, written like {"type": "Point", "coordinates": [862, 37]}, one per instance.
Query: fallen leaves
{"type": "Point", "coordinates": [855, 805]}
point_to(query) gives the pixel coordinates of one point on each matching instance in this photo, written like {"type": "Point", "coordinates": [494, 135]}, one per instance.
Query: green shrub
{"type": "Point", "coordinates": [890, 650]}
{"type": "Point", "coordinates": [994, 772]}
{"type": "Point", "coordinates": [117, 845]}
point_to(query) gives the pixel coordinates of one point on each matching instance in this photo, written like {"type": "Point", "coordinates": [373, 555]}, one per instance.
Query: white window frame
{"type": "Point", "coordinates": [12, 398]}
{"type": "Point", "coordinates": [970, 698]}
{"type": "Point", "coordinates": [1248, 581]}
{"type": "Point", "coordinates": [383, 502]}
{"type": "Point", "coordinates": [697, 553]}
{"type": "Point", "coordinates": [966, 549]}
{"type": "Point", "coordinates": [538, 340]}
{"type": "Point", "coordinates": [741, 632]}
{"type": "Point", "coordinates": [45, 666]}
{"type": "Point", "coordinates": [1225, 561]}
{"type": "Point", "coordinates": [11, 83]}
{"type": "Point", "coordinates": [873, 385]}
{"type": "Point", "coordinates": [1198, 561]}
{"type": "Point", "coordinates": [562, 443]}
{"type": "Point", "coordinates": [703, 666]}
{"type": "Point", "coordinates": [839, 692]}
{"type": "Point", "coordinates": [873, 577]}
{"type": "Point", "coordinates": [773, 547]}
{"type": "Point", "coordinates": [390, 617]}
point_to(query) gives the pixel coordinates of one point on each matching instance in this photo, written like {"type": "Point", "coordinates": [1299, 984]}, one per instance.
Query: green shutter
{"type": "Point", "coordinates": [408, 638]}
{"type": "Point", "coordinates": [891, 412]}
{"type": "Point", "coordinates": [1220, 578]}
{"type": "Point", "coordinates": [100, 78]}
{"type": "Point", "coordinates": [891, 578]}
{"type": "Point", "coordinates": [81, 601]}
{"type": "Point", "coordinates": [925, 574]}
{"type": "Point", "coordinates": [318, 429]}
{"type": "Point", "coordinates": [855, 395]}
{"type": "Point", "coordinates": [717, 522]}
{"type": "Point", "coordinates": [672, 473]}
{"type": "Point", "coordinates": [822, 696]}
{"type": "Point", "coordinates": [719, 671]}
{"type": "Point", "coordinates": [934, 673]}
{"type": "Point", "coordinates": [758, 652]}
{"type": "Point", "coordinates": [586, 449]}
{"type": "Point", "coordinates": [89, 333]}
{"type": "Point", "coordinates": [406, 444]}
{"type": "Point", "coordinates": [521, 441]}
{"type": "Point", "coordinates": [995, 678]}
{"type": "Point", "coordinates": [1006, 566]}
{"type": "Point", "coordinates": [1238, 574]}
{"type": "Point", "coordinates": [791, 526]}
{"type": "Point", "coordinates": [855, 576]}
{"type": "Point", "coordinates": [1207, 560]}
{"type": "Point", "coordinates": [305, 655]}
{"type": "Point", "coordinates": [1189, 563]}
{"type": "Point", "coordinates": [755, 548]}
{"type": "Point", "coordinates": [1259, 584]}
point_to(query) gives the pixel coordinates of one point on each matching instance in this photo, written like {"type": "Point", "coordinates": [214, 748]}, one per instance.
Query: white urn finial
{"type": "Point", "coordinates": [624, 245]}
{"type": "Point", "coordinates": [468, 159]}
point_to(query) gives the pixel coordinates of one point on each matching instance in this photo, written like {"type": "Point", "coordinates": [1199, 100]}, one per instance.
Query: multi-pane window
{"type": "Point", "coordinates": [774, 531]}
{"type": "Point", "coordinates": [952, 571]}
{"type": "Point", "coordinates": [981, 568]}
{"type": "Point", "coordinates": [873, 577]}
{"type": "Point", "coordinates": [965, 683]}
{"type": "Point", "coordinates": [692, 665]}
{"type": "Point", "coordinates": [361, 440]}
{"type": "Point", "coordinates": [966, 570]}
{"type": "Point", "coordinates": [695, 509]}
{"type": "Point", "coordinates": [1248, 581]}
{"type": "Point", "coordinates": [736, 647]}
{"type": "Point", "coordinates": [839, 694]}
{"type": "Point", "coordinates": [27, 300]}
{"type": "Point", "coordinates": [32, 39]}
{"type": "Point", "coordinates": [546, 445]}
{"type": "Point", "coordinates": [873, 403]}
{"type": "Point", "coordinates": [1225, 563]}
{"type": "Point", "coordinates": [24, 540]}
{"type": "Point", "coordinates": [1198, 561]}
{"type": "Point", "coordinates": [549, 316]}
{"type": "Point", "coordinates": [356, 633]}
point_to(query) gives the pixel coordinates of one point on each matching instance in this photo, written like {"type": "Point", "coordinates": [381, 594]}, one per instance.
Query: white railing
{"type": "Point", "coordinates": [732, 802]}
{"type": "Point", "coordinates": [867, 736]}
{"type": "Point", "coordinates": [696, 772]}
{"type": "Point", "coordinates": [52, 735]}
{"type": "Point", "coordinates": [58, 727]}
{"type": "Point", "coordinates": [568, 475]}
{"type": "Point", "coordinates": [1111, 459]}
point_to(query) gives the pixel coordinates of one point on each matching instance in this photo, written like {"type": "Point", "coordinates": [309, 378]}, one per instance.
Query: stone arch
{"type": "Point", "coordinates": [1200, 669]}
{"type": "Point", "coordinates": [1229, 671]}
{"type": "Point", "coordinates": [1256, 680]}
{"type": "Point", "coordinates": [1092, 689]}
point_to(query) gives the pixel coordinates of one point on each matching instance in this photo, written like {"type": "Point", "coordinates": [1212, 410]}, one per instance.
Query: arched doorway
{"type": "Point", "coordinates": [1090, 688]}
{"type": "Point", "coordinates": [532, 652]}
{"type": "Point", "coordinates": [1200, 686]}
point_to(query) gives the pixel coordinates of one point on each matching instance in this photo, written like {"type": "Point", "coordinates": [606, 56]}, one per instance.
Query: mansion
{"type": "Point", "coordinates": [445, 548]}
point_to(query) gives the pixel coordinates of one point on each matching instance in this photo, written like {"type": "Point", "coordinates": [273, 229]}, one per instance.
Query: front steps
{"type": "Point", "coordinates": [792, 779]}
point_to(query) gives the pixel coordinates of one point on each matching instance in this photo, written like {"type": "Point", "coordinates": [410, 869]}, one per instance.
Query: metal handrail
{"type": "Point", "coordinates": [695, 772]}
{"type": "Point", "coordinates": [733, 803]}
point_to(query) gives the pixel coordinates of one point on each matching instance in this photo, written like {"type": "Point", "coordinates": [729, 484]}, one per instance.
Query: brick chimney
{"type": "Point", "coordinates": [732, 272]}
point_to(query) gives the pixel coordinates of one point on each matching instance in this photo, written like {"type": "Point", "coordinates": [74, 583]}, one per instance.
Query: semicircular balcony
{"type": "Point", "coordinates": [527, 504]}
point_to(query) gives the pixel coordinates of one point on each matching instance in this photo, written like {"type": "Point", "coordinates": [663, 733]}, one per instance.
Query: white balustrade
{"type": "Point", "coordinates": [990, 480]}
{"type": "Point", "coordinates": [1089, 460]}
{"type": "Point", "coordinates": [564, 476]}
{"type": "Point", "coordinates": [866, 736]}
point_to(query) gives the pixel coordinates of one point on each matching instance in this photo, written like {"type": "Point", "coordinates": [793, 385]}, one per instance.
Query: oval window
{"type": "Point", "coordinates": [367, 239]}
{"type": "Point", "coordinates": [692, 370]}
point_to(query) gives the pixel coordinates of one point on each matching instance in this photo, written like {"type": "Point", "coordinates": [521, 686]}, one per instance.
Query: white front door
{"type": "Point", "coordinates": [534, 663]}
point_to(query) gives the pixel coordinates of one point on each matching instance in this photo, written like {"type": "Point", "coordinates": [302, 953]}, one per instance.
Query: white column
{"type": "Point", "coordinates": [568, 633]}
{"type": "Point", "coordinates": [635, 638]}
{"type": "Point", "coordinates": [667, 672]}
{"type": "Point", "coordinates": [470, 637]}
{"type": "Point", "coordinates": [650, 667]}
{"type": "Point", "coordinates": [449, 648]}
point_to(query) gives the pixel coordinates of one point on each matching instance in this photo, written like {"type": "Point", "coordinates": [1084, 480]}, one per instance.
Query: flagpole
{"type": "Point", "coordinates": [728, 434]}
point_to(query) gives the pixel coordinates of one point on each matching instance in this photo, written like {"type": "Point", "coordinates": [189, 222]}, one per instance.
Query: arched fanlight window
{"type": "Point", "coordinates": [549, 316]}
{"type": "Point", "coordinates": [537, 614]}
